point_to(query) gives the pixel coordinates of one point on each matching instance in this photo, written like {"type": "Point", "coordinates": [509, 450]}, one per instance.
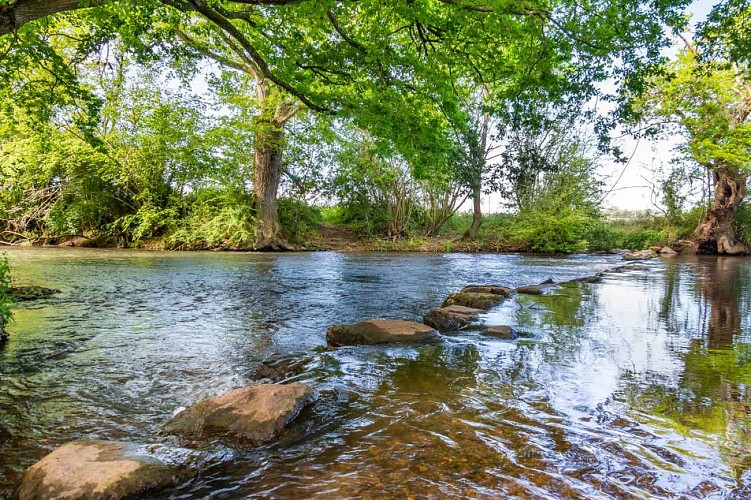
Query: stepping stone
{"type": "Point", "coordinates": [595, 278]}
{"type": "Point", "coordinates": [248, 416]}
{"type": "Point", "coordinates": [501, 332]}
{"type": "Point", "coordinates": [536, 289]}
{"type": "Point", "coordinates": [451, 318]}
{"type": "Point", "coordinates": [640, 255]}
{"type": "Point", "coordinates": [506, 332]}
{"type": "Point", "coordinates": [482, 301]}
{"type": "Point", "coordinates": [98, 469]}
{"type": "Point", "coordinates": [492, 289]}
{"type": "Point", "coordinates": [379, 331]}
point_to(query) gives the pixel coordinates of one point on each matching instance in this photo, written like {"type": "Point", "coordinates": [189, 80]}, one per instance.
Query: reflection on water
{"type": "Point", "coordinates": [634, 387]}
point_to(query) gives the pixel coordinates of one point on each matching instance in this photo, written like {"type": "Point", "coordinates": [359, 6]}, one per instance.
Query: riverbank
{"type": "Point", "coordinates": [338, 238]}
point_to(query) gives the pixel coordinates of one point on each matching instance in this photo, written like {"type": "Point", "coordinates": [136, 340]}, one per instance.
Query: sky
{"type": "Point", "coordinates": [633, 191]}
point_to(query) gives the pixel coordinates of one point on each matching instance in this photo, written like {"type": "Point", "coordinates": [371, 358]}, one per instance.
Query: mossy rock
{"type": "Point", "coordinates": [482, 301]}
{"type": "Point", "coordinates": [491, 289]}
{"type": "Point", "coordinates": [451, 318]}
{"type": "Point", "coordinates": [30, 292]}
{"type": "Point", "coordinates": [379, 331]}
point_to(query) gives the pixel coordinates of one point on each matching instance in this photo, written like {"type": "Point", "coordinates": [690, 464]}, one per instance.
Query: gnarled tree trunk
{"type": "Point", "coordinates": [267, 172]}
{"type": "Point", "coordinates": [715, 233]}
{"type": "Point", "coordinates": [268, 146]}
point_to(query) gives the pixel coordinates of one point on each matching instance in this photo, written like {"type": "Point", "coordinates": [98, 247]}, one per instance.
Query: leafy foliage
{"type": "Point", "coordinates": [5, 298]}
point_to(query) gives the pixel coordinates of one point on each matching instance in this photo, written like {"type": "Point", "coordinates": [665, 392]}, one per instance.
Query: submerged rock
{"type": "Point", "coordinates": [31, 292]}
{"type": "Point", "coordinates": [482, 301]}
{"type": "Point", "coordinates": [595, 278]}
{"type": "Point", "coordinates": [282, 367]}
{"type": "Point", "coordinates": [501, 332]}
{"type": "Point", "coordinates": [248, 416]}
{"type": "Point", "coordinates": [629, 267]}
{"type": "Point", "coordinates": [451, 318]}
{"type": "Point", "coordinates": [505, 332]}
{"type": "Point", "coordinates": [491, 289]}
{"type": "Point", "coordinates": [536, 289]}
{"type": "Point", "coordinates": [640, 255]}
{"type": "Point", "coordinates": [379, 331]}
{"type": "Point", "coordinates": [97, 469]}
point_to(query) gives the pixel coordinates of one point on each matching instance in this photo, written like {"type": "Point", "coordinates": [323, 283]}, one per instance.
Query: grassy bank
{"type": "Point", "coordinates": [314, 229]}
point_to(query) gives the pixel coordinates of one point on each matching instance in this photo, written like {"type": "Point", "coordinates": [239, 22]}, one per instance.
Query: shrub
{"type": "Point", "coordinates": [641, 239]}
{"type": "Point", "coordinates": [743, 223]}
{"type": "Point", "coordinates": [216, 218]}
{"type": "Point", "coordinates": [5, 298]}
{"type": "Point", "coordinates": [298, 219]}
{"type": "Point", "coordinates": [551, 233]}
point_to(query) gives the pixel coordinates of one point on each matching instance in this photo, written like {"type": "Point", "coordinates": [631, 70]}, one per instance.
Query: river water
{"type": "Point", "coordinates": [639, 386]}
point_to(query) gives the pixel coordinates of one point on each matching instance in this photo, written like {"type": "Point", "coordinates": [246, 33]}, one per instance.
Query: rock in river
{"type": "Point", "coordinates": [97, 469]}
{"type": "Point", "coordinates": [31, 292]}
{"type": "Point", "coordinates": [248, 416]}
{"type": "Point", "coordinates": [492, 289]}
{"type": "Point", "coordinates": [379, 331]}
{"type": "Point", "coordinates": [482, 301]}
{"type": "Point", "coordinates": [536, 289]}
{"type": "Point", "coordinates": [506, 332]}
{"type": "Point", "coordinates": [640, 255]}
{"type": "Point", "coordinates": [667, 251]}
{"type": "Point", "coordinates": [501, 332]}
{"type": "Point", "coordinates": [451, 318]}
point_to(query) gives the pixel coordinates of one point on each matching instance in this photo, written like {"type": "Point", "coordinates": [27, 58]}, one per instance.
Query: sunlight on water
{"type": "Point", "coordinates": [634, 387]}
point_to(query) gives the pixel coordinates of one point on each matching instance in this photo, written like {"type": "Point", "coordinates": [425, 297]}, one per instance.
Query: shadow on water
{"type": "Point", "coordinates": [634, 387]}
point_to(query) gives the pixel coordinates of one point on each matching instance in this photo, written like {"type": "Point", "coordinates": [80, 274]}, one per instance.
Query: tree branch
{"type": "Point", "coordinates": [232, 30]}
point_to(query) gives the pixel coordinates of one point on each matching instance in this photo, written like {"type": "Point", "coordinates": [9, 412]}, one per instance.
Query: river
{"type": "Point", "coordinates": [639, 386]}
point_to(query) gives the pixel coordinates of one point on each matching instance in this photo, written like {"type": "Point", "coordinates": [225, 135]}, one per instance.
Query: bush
{"type": "Point", "coordinates": [5, 298]}
{"type": "Point", "coordinates": [743, 223]}
{"type": "Point", "coordinates": [603, 236]}
{"type": "Point", "coordinates": [148, 222]}
{"type": "Point", "coordinates": [551, 233]}
{"type": "Point", "coordinates": [642, 239]}
{"type": "Point", "coordinates": [216, 218]}
{"type": "Point", "coordinates": [298, 219]}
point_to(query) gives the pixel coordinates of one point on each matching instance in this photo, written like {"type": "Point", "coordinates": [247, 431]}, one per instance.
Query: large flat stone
{"type": "Point", "coordinates": [451, 318]}
{"type": "Point", "coordinates": [640, 255]}
{"type": "Point", "coordinates": [97, 469]}
{"type": "Point", "coordinates": [248, 416]}
{"type": "Point", "coordinates": [492, 289]}
{"type": "Point", "coordinates": [379, 331]}
{"type": "Point", "coordinates": [482, 301]}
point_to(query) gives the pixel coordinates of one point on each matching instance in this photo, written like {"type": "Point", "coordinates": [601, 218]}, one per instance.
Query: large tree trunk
{"type": "Point", "coordinates": [268, 145]}
{"type": "Point", "coordinates": [715, 233]}
{"type": "Point", "coordinates": [268, 142]}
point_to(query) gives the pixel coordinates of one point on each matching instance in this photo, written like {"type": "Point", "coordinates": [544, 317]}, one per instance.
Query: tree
{"type": "Point", "coordinates": [710, 101]}
{"type": "Point", "coordinates": [393, 67]}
